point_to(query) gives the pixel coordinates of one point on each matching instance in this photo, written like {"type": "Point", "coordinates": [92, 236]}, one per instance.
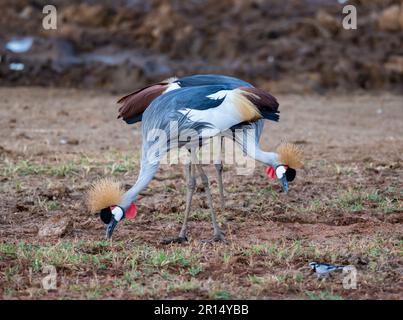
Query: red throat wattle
{"type": "Point", "coordinates": [271, 173]}
{"type": "Point", "coordinates": [131, 213]}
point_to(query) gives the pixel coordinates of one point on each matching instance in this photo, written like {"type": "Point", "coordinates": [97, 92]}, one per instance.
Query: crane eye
{"type": "Point", "coordinates": [280, 170]}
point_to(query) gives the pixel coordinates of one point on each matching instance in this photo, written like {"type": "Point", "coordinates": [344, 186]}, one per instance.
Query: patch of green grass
{"type": "Point", "coordinates": [350, 200]}
{"type": "Point", "coordinates": [357, 207]}
{"type": "Point", "coordinates": [161, 216]}
{"type": "Point", "coordinates": [28, 167]}
{"type": "Point", "coordinates": [96, 293]}
{"type": "Point", "coordinates": [324, 295]}
{"type": "Point", "coordinates": [345, 170]}
{"type": "Point", "coordinates": [66, 255]}
{"type": "Point", "coordinates": [183, 189]}
{"type": "Point", "coordinates": [374, 196]}
{"type": "Point", "coordinates": [285, 250]}
{"type": "Point", "coordinates": [113, 164]}
{"type": "Point", "coordinates": [299, 277]}
{"type": "Point", "coordinates": [116, 168]}
{"type": "Point", "coordinates": [221, 295]}
{"type": "Point", "coordinates": [166, 275]}
{"type": "Point", "coordinates": [8, 249]}
{"type": "Point", "coordinates": [195, 270]}
{"type": "Point", "coordinates": [226, 257]}
{"type": "Point", "coordinates": [316, 206]}
{"type": "Point", "coordinates": [201, 215]}
{"type": "Point", "coordinates": [63, 169]}
{"type": "Point", "coordinates": [130, 222]}
{"type": "Point", "coordinates": [357, 200]}
{"type": "Point", "coordinates": [255, 249]}
{"type": "Point", "coordinates": [176, 257]}
{"type": "Point", "coordinates": [374, 251]}
{"type": "Point", "coordinates": [265, 191]}
{"type": "Point", "coordinates": [130, 278]}
{"type": "Point", "coordinates": [384, 203]}
{"type": "Point", "coordinates": [138, 289]}
{"type": "Point", "coordinates": [23, 167]}
{"type": "Point", "coordinates": [389, 206]}
{"type": "Point", "coordinates": [160, 259]}
{"type": "Point", "coordinates": [100, 269]}
{"type": "Point", "coordinates": [52, 205]}
{"type": "Point", "coordinates": [10, 272]}
{"type": "Point", "coordinates": [185, 286]}
{"type": "Point", "coordinates": [231, 189]}
{"type": "Point", "coordinates": [9, 293]}
{"type": "Point", "coordinates": [254, 279]}
{"type": "Point", "coordinates": [18, 185]}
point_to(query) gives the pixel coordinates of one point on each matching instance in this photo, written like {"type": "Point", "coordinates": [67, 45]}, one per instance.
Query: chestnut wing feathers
{"type": "Point", "coordinates": [136, 102]}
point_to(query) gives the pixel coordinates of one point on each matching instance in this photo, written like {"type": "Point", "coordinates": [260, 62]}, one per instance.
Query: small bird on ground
{"type": "Point", "coordinates": [324, 269]}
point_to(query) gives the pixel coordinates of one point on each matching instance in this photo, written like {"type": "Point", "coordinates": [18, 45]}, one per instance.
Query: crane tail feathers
{"type": "Point", "coordinates": [261, 102]}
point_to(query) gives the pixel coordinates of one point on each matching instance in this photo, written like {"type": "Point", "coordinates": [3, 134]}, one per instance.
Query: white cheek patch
{"type": "Point", "coordinates": [117, 213]}
{"type": "Point", "coordinates": [280, 172]}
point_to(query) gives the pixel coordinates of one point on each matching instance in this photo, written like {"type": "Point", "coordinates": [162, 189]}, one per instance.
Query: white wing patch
{"type": "Point", "coordinates": [172, 86]}
{"type": "Point", "coordinates": [219, 95]}
{"type": "Point", "coordinates": [170, 80]}
{"type": "Point", "coordinates": [221, 118]}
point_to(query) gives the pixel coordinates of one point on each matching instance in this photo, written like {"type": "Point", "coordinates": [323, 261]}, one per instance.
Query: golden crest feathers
{"type": "Point", "coordinates": [290, 155]}
{"type": "Point", "coordinates": [104, 193]}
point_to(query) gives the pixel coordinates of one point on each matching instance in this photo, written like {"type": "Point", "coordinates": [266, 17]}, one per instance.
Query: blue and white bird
{"type": "Point", "coordinates": [135, 103]}
{"type": "Point", "coordinates": [324, 269]}
{"type": "Point", "coordinates": [201, 110]}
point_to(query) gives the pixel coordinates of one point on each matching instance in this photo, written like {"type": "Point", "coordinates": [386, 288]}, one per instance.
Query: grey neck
{"type": "Point", "coordinates": [249, 143]}
{"type": "Point", "coordinates": [146, 174]}
{"type": "Point", "coordinates": [268, 158]}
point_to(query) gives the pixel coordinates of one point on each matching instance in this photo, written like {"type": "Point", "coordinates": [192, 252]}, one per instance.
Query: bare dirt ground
{"type": "Point", "coordinates": [345, 206]}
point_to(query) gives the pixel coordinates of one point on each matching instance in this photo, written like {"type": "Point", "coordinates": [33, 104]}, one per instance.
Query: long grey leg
{"type": "Point", "coordinates": [218, 233]}
{"type": "Point", "coordinates": [219, 170]}
{"type": "Point", "coordinates": [191, 186]}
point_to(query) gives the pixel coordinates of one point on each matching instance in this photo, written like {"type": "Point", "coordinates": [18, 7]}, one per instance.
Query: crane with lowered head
{"type": "Point", "coordinates": [208, 105]}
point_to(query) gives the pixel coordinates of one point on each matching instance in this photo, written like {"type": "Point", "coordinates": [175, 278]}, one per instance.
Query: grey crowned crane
{"type": "Point", "coordinates": [135, 103]}
{"type": "Point", "coordinates": [200, 112]}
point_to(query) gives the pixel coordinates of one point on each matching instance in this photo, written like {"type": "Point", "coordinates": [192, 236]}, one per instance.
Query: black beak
{"type": "Point", "coordinates": [110, 227]}
{"type": "Point", "coordinates": [284, 183]}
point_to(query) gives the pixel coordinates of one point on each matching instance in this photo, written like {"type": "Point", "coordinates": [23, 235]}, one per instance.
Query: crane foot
{"type": "Point", "coordinates": [174, 240]}
{"type": "Point", "coordinates": [217, 237]}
